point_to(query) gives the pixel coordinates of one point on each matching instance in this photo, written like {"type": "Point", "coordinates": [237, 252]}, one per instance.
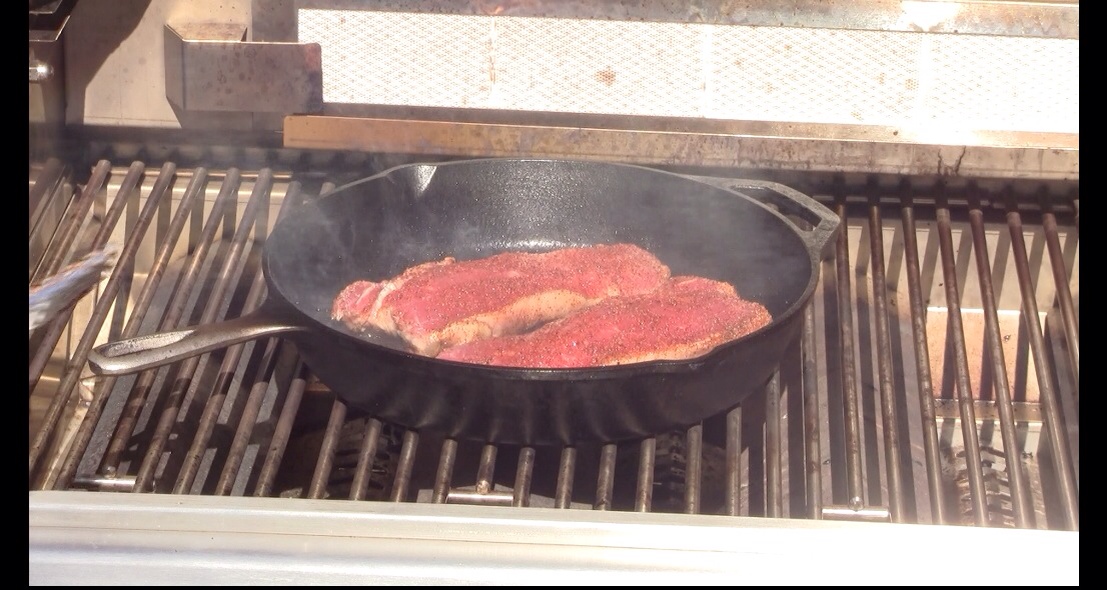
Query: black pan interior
{"type": "Point", "coordinates": [376, 228]}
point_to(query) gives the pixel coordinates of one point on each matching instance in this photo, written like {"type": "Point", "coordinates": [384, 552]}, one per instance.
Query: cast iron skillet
{"type": "Point", "coordinates": [375, 228]}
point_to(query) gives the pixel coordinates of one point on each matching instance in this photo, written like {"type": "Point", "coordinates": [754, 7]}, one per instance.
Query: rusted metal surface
{"type": "Point", "coordinates": [1045, 19]}
{"type": "Point", "coordinates": [852, 414]}
{"type": "Point", "coordinates": [566, 469]}
{"type": "Point", "coordinates": [404, 466]}
{"type": "Point", "coordinates": [69, 381]}
{"type": "Point", "coordinates": [963, 389]}
{"type": "Point", "coordinates": [1015, 471]}
{"type": "Point", "coordinates": [212, 67]}
{"type": "Point", "coordinates": [1058, 439]}
{"type": "Point", "coordinates": [811, 417]}
{"type": "Point", "coordinates": [922, 362]}
{"type": "Point", "coordinates": [889, 421]}
{"type": "Point", "coordinates": [643, 493]}
{"type": "Point", "coordinates": [770, 146]}
{"type": "Point", "coordinates": [171, 318]}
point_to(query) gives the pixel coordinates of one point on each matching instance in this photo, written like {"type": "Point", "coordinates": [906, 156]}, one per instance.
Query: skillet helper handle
{"type": "Point", "coordinates": [140, 353]}
{"type": "Point", "coordinates": [824, 222]}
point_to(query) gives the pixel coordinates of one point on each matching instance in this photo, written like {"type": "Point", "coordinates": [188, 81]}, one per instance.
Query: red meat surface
{"type": "Point", "coordinates": [685, 318]}
{"type": "Point", "coordinates": [448, 302]}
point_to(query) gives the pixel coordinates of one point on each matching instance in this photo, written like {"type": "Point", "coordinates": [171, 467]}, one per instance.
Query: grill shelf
{"type": "Point", "coordinates": [881, 411]}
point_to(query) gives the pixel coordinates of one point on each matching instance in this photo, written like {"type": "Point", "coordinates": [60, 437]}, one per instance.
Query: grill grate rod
{"type": "Point", "coordinates": [283, 431]}
{"type": "Point", "coordinates": [360, 484]}
{"type": "Point", "coordinates": [486, 469]}
{"type": "Point", "coordinates": [922, 363]}
{"type": "Point", "coordinates": [605, 481]}
{"type": "Point", "coordinates": [66, 388]}
{"type": "Point", "coordinates": [443, 476]}
{"type": "Point", "coordinates": [216, 399]}
{"type": "Point", "coordinates": [734, 461]}
{"type": "Point", "coordinates": [55, 257]}
{"type": "Point", "coordinates": [693, 475]}
{"type": "Point", "coordinates": [248, 419]}
{"type": "Point", "coordinates": [566, 468]}
{"type": "Point", "coordinates": [134, 322]}
{"type": "Point", "coordinates": [1016, 473]}
{"type": "Point", "coordinates": [48, 179]}
{"type": "Point", "coordinates": [1050, 406]}
{"type": "Point", "coordinates": [404, 466]}
{"type": "Point", "coordinates": [811, 419]}
{"type": "Point", "coordinates": [325, 463]}
{"type": "Point", "coordinates": [852, 415]}
{"type": "Point", "coordinates": [72, 221]}
{"type": "Point", "coordinates": [963, 389]}
{"type": "Point", "coordinates": [171, 317]}
{"type": "Point", "coordinates": [647, 462]}
{"type": "Point", "coordinates": [1064, 296]}
{"type": "Point", "coordinates": [884, 366]}
{"type": "Point", "coordinates": [774, 484]}
{"type": "Point", "coordinates": [524, 473]}
{"type": "Point", "coordinates": [187, 368]}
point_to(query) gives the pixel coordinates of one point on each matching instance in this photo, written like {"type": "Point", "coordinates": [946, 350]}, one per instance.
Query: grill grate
{"type": "Point", "coordinates": [856, 423]}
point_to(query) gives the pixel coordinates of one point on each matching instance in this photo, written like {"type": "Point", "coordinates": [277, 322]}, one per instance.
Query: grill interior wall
{"type": "Point", "coordinates": [770, 474]}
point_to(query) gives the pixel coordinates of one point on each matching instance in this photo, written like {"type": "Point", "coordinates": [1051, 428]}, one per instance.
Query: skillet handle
{"type": "Point", "coordinates": [155, 350]}
{"type": "Point", "coordinates": [824, 222]}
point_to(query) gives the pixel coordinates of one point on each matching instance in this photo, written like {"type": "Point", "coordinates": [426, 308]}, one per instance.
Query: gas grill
{"type": "Point", "coordinates": [930, 404]}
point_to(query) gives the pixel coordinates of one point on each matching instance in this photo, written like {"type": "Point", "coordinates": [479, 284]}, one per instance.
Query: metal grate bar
{"type": "Point", "coordinates": [605, 482]}
{"type": "Point", "coordinates": [486, 469]}
{"type": "Point", "coordinates": [922, 363]}
{"type": "Point", "coordinates": [404, 466]}
{"type": "Point", "coordinates": [325, 462]}
{"type": "Point", "coordinates": [811, 418]}
{"type": "Point", "coordinates": [524, 471]}
{"type": "Point", "coordinates": [884, 366]}
{"type": "Point", "coordinates": [647, 462]}
{"type": "Point", "coordinates": [68, 230]}
{"type": "Point", "coordinates": [734, 461]}
{"type": "Point", "coordinates": [1016, 473]}
{"type": "Point", "coordinates": [281, 434]}
{"type": "Point", "coordinates": [71, 222]}
{"type": "Point", "coordinates": [68, 383]}
{"type": "Point", "coordinates": [774, 485]}
{"type": "Point", "coordinates": [852, 413]}
{"type": "Point", "coordinates": [219, 391]}
{"type": "Point", "coordinates": [1066, 479]}
{"type": "Point", "coordinates": [41, 358]}
{"type": "Point", "coordinates": [693, 475]}
{"type": "Point", "coordinates": [171, 318]}
{"type": "Point", "coordinates": [134, 322]}
{"type": "Point", "coordinates": [48, 179]}
{"type": "Point", "coordinates": [566, 468]}
{"type": "Point", "coordinates": [963, 389]}
{"type": "Point", "coordinates": [444, 475]}
{"type": "Point", "coordinates": [187, 368]}
{"type": "Point", "coordinates": [262, 377]}
{"type": "Point", "coordinates": [360, 485]}
{"type": "Point", "coordinates": [1064, 296]}
{"type": "Point", "coordinates": [214, 405]}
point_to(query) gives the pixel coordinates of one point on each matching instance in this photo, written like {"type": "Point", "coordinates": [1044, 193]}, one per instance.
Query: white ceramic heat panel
{"type": "Point", "coordinates": [913, 80]}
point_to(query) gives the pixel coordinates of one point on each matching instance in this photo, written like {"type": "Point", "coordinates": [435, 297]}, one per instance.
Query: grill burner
{"type": "Point", "coordinates": [890, 407]}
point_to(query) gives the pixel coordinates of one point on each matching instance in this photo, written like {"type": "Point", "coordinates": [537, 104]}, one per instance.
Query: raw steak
{"type": "Point", "coordinates": [447, 303]}
{"type": "Point", "coordinates": [685, 318]}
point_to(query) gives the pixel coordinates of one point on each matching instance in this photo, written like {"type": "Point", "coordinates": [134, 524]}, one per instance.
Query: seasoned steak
{"type": "Point", "coordinates": [446, 303]}
{"type": "Point", "coordinates": [685, 318]}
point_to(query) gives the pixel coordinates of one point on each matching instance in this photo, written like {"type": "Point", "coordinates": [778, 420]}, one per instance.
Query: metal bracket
{"type": "Point", "coordinates": [857, 514]}
{"type": "Point", "coordinates": [211, 67]}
